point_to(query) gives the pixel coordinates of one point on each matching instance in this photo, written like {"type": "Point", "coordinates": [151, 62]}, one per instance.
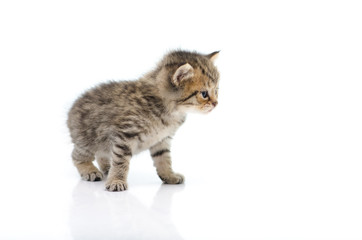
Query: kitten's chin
{"type": "Point", "coordinates": [206, 110]}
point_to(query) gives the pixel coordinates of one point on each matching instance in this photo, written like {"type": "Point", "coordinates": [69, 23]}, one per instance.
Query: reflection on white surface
{"type": "Point", "coordinates": [96, 214]}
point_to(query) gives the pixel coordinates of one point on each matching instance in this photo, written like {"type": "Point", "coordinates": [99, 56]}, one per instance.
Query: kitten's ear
{"type": "Point", "coordinates": [184, 72]}
{"type": "Point", "coordinates": [212, 56]}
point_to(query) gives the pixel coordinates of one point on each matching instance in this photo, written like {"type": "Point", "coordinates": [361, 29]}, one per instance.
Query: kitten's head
{"type": "Point", "coordinates": [195, 78]}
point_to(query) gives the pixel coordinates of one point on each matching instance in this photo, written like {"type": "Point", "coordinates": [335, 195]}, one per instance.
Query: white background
{"type": "Point", "coordinates": [279, 158]}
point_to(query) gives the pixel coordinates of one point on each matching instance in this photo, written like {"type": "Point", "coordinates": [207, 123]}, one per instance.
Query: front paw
{"type": "Point", "coordinates": [92, 176]}
{"type": "Point", "coordinates": [116, 185]}
{"type": "Point", "coordinates": [174, 178]}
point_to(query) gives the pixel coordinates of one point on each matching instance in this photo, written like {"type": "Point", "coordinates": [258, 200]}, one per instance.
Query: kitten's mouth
{"type": "Point", "coordinates": [209, 110]}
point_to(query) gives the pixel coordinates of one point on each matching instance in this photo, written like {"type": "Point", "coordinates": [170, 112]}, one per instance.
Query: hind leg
{"type": "Point", "coordinates": [83, 162]}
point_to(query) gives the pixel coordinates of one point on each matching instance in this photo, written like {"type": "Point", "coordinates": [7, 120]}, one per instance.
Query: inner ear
{"type": "Point", "coordinates": [182, 73]}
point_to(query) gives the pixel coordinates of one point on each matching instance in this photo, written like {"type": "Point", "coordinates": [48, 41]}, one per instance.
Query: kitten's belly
{"type": "Point", "coordinates": [149, 140]}
{"type": "Point", "coordinates": [138, 145]}
{"type": "Point", "coordinates": [145, 141]}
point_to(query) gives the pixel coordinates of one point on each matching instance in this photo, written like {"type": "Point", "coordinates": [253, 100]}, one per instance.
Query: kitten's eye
{"type": "Point", "coordinates": [204, 94]}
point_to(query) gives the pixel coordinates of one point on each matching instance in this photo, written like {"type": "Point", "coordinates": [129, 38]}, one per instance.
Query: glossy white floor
{"type": "Point", "coordinates": [253, 191]}
{"type": "Point", "coordinates": [238, 195]}
{"type": "Point", "coordinates": [279, 158]}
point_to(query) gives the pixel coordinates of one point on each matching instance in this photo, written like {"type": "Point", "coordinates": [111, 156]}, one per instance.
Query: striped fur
{"type": "Point", "coordinates": [116, 120]}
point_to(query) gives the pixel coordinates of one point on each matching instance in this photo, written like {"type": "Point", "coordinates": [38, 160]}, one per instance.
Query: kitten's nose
{"type": "Point", "coordinates": [214, 103]}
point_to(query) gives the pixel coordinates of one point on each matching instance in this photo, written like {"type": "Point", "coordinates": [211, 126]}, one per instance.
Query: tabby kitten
{"type": "Point", "coordinates": [116, 120]}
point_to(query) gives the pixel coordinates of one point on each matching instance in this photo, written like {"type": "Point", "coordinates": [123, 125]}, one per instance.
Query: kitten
{"type": "Point", "coordinates": [116, 120]}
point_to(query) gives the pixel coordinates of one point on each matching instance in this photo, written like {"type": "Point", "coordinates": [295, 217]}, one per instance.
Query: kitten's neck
{"type": "Point", "coordinates": [170, 96]}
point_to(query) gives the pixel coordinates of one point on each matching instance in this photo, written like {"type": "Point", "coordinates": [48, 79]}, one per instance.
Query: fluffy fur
{"type": "Point", "coordinates": [116, 120]}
